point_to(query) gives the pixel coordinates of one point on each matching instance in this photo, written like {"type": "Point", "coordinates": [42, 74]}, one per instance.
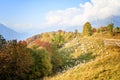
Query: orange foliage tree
{"type": "Point", "coordinates": [15, 60]}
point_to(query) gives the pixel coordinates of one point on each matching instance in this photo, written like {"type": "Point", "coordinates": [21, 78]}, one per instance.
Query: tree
{"type": "Point", "coordinates": [102, 29]}
{"type": "Point", "coordinates": [87, 29]}
{"type": "Point", "coordinates": [15, 61]}
{"type": "Point", "coordinates": [94, 30]}
{"type": "Point", "coordinates": [76, 31]}
{"type": "Point", "coordinates": [42, 63]}
{"type": "Point", "coordinates": [56, 58]}
{"type": "Point", "coordinates": [110, 28]}
{"type": "Point", "coordinates": [2, 41]}
{"type": "Point", "coordinates": [58, 39]}
{"type": "Point", "coordinates": [117, 29]}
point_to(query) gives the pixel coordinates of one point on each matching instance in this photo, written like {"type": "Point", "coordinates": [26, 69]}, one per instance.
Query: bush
{"type": "Point", "coordinates": [42, 64]}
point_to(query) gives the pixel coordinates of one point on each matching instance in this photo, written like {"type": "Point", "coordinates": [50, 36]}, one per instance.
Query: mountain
{"type": "Point", "coordinates": [10, 34]}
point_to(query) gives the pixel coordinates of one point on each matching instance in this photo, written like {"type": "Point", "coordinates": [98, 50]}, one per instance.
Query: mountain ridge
{"type": "Point", "coordinates": [11, 34]}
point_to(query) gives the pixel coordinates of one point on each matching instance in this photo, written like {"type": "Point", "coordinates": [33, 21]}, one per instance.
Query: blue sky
{"type": "Point", "coordinates": [34, 16]}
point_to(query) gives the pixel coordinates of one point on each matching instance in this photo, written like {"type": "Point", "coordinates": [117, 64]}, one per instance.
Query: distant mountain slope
{"type": "Point", "coordinates": [10, 34]}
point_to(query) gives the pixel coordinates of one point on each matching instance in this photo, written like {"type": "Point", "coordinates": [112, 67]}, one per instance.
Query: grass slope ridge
{"type": "Point", "coordinates": [105, 68]}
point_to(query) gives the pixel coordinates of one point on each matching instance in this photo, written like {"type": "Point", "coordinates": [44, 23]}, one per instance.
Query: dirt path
{"type": "Point", "coordinates": [113, 42]}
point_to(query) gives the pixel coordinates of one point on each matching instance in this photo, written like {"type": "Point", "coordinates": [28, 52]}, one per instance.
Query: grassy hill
{"type": "Point", "coordinates": [104, 68]}
{"type": "Point", "coordinates": [59, 36]}
{"type": "Point", "coordinates": [91, 57]}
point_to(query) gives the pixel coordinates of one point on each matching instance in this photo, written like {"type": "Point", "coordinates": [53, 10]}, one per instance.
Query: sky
{"type": "Point", "coordinates": [36, 16]}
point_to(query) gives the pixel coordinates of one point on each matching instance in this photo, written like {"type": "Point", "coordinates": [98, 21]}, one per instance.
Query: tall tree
{"type": "Point", "coordinates": [87, 29]}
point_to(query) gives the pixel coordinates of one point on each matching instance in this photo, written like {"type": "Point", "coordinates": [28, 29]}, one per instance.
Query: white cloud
{"type": "Point", "coordinates": [63, 17]}
{"type": "Point", "coordinates": [89, 11]}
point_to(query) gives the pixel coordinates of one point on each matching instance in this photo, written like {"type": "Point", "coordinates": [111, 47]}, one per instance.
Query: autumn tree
{"type": "Point", "coordinates": [87, 29]}
{"type": "Point", "coordinates": [15, 61]}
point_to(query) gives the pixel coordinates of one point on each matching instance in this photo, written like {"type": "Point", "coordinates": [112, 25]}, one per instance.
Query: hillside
{"type": "Point", "coordinates": [59, 36]}
{"type": "Point", "coordinates": [105, 68]}
{"type": "Point", "coordinates": [104, 65]}
{"type": "Point", "coordinates": [91, 55]}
